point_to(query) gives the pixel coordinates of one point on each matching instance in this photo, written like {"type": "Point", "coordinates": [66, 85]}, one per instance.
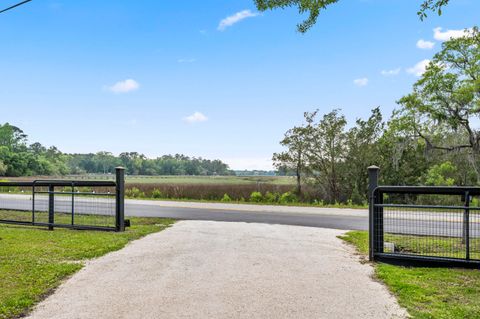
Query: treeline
{"type": "Point", "coordinates": [18, 158]}
{"type": "Point", "coordinates": [432, 138]}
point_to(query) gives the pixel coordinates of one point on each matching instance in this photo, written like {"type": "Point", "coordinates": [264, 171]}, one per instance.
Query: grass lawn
{"type": "Point", "coordinates": [427, 292]}
{"type": "Point", "coordinates": [34, 261]}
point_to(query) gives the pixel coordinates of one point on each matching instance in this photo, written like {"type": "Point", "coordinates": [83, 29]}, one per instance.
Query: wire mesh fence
{"type": "Point", "coordinates": [427, 223]}
{"type": "Point", "coordinates": [70, 204]}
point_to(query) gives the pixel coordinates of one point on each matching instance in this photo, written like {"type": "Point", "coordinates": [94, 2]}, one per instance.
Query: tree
{"type": "Point", "coordinates": [294, 157]}
{"type": "Point", "coordinates": [446, 99]}
{"type": "Point", "coordinates": [326, 151]}
{"type": "Point", "coordinates": [362, 144]}
{"type": "Point", "coordinates": [3, 168]}
{"type": "Point", "coordinates": [441, 175]}
{"type": "Point", "coordinates": [12, 137]}
{"type": "Point", "coordinates": [314, 7]}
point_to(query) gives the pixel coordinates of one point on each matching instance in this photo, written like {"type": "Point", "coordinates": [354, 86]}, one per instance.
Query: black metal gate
{"type": "Point", "coordinates": [424, 224]}
{"type": "Point", "coordinates": [95, 205]}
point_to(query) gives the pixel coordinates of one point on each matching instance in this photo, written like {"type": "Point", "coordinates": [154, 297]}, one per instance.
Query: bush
{"type": "Point", "coordinates": [256, 197]}
{"type": "Point", "coordinates": [226, 198]}
{"type": "Point", "coordinates": [134, 193]}
{"type": "Point", "coordinates": [156, 193]}
{"type": "Point", "coordinates": [271, 197]}
{"type": "Point", "coordinates": [288, 197]}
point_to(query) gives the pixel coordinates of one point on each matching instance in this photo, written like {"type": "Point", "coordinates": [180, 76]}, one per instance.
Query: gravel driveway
{"type": "Point", "coordinates": [198, 269]}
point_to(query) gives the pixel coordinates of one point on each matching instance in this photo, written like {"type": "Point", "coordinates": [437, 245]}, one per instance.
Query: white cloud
{"type": "Point", "coordinates": [391, 72]}
{"type": "Point", "coordinates": [125, 86]}
{"type": "Point", "coordinates": [191, 60]}
{"type": "Point", "coordinates": [425, 45]}
{"type": "Point", "coordinates": [419, 68]}
{"type": "Point", "coordinates": [237, 17]}
{"type": "Point", "coordinates": [360, 82]}
{"type": "Point", "coordinates": [449, 34]}
{"type": "Point", "coordinates": [195, 117]}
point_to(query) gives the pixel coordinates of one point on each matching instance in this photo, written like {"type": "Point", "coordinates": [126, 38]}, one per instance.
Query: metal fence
{"type": "Point", "coordinates": [95, 205]}
{"type": "Point", "coordinates": [424, 224]}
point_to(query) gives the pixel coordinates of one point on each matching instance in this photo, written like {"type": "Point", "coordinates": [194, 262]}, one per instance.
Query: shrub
{"type": "Point", "coordinates": [226, 198]}
{"type": "Point", "coordinates": [134, 193]}
{"type": "Point", "coordinates": [271, 197]}
{"type": "Point", "coordinates": [288, 197]}
{"type": "Point", "coordinates": [256, 197]}
{"type": "Point", "coordinates": [156, 193]}
{"type": "Point", "coordinates": [356, 198]}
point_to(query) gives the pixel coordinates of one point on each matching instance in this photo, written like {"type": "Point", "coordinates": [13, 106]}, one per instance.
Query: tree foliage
{"type": "Point", "coordinates": [314, 7]}
{"type": "Point", "coordinates": [432, 139]}
{"type": "Point", "coordinates": [17, 158]}
{"type": "Point", "coordinates": [446, 99]}
{"type": "Point", "coordinates": [294, 157]}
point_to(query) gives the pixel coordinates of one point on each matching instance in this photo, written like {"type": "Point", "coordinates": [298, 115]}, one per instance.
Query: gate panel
{"type": "Point", "coordinates": [96, 205]}
{"type": "Point", "coordinates": [426, 224]}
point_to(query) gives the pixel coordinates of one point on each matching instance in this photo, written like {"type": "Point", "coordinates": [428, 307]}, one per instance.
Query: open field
{"type": "Point", "coordinates": [176, 179]}
{"type": "Point", "coordinates": [440, 293]}
{"type": "Point", "coordinates": [205, 188]}
{"type": "Point", "coordinates": [34, 261]}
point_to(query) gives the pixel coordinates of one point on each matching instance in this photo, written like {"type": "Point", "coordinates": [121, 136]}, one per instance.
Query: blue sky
{"type": "Point", "coordinates": [161, 77]}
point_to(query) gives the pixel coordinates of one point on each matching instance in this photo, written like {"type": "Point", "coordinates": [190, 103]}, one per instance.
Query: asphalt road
{"type": "Point", "coordinates": [297, 216]}
{"type": "Point", "coordinates": [297, 219]}
{"type": "Point", "coordinates": [424, 223]}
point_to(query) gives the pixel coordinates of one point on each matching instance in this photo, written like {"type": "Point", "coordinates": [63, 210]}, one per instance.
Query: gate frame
{"type": "Point", "coordinates": [376, 227]}
{"type": "Point", "coordinates": [119, 185]}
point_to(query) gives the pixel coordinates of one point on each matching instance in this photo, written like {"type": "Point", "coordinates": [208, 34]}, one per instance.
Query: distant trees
{"type": "Point", "coordinates": [334, 159]}
{"type": "Point", "coordinates": [17, 158]}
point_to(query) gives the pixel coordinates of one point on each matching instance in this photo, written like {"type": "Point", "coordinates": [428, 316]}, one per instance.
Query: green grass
{"type": "Point", "coordinates": [434, 246]}
{"type": "Point", "coordinates": [34, 261]}
{"type": "Point", "coordinates": [441, 293]}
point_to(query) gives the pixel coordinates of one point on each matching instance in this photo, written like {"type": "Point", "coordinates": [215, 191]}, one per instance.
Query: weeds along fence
{"type": "Point", "coordinates": [95, 205]}
{"type": "Point", "coordinates": [433, 225]}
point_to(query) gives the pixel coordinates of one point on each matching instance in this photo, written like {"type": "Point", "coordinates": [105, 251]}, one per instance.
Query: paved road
{"type": "Point", "coordinates": [346, 219]}
{"type": "Point", "coordinates": [424, 223]}
{"type": "Point", "coordinates": [199, 269]}
{"type": "Point", "coordinates": [326, 219]}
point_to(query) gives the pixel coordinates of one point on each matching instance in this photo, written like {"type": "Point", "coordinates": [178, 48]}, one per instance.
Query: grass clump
{"type": "Point", "coordinates": [226, 198]}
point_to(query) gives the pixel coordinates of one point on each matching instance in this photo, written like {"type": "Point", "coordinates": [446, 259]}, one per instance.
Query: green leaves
{"type": "Point", "coordinates": [314, 7]}
{"type": "Point", "coordinates": [445, 100]}
{"type": "Point", "coordinates": [431, 5]}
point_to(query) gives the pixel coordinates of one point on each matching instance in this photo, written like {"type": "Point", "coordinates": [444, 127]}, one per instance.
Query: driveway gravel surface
{"type": "Point", "coordinates": [204, 269]}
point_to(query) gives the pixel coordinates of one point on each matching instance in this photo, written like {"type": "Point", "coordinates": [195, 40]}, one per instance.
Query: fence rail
{"type": "Point", "coordinates": [96, 205]}
{"type": "Point", "coordinates": [424, 224]}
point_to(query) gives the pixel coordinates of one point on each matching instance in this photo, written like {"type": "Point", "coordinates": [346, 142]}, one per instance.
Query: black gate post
{"type": "Point", "coordinates": [466, 225]}
{"type": "Point", "coordinates": [373, 172]}
{"type": "Point", "coordinates": [51, 206]}
{"type": "Point", "coordinates": [120, 199]}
